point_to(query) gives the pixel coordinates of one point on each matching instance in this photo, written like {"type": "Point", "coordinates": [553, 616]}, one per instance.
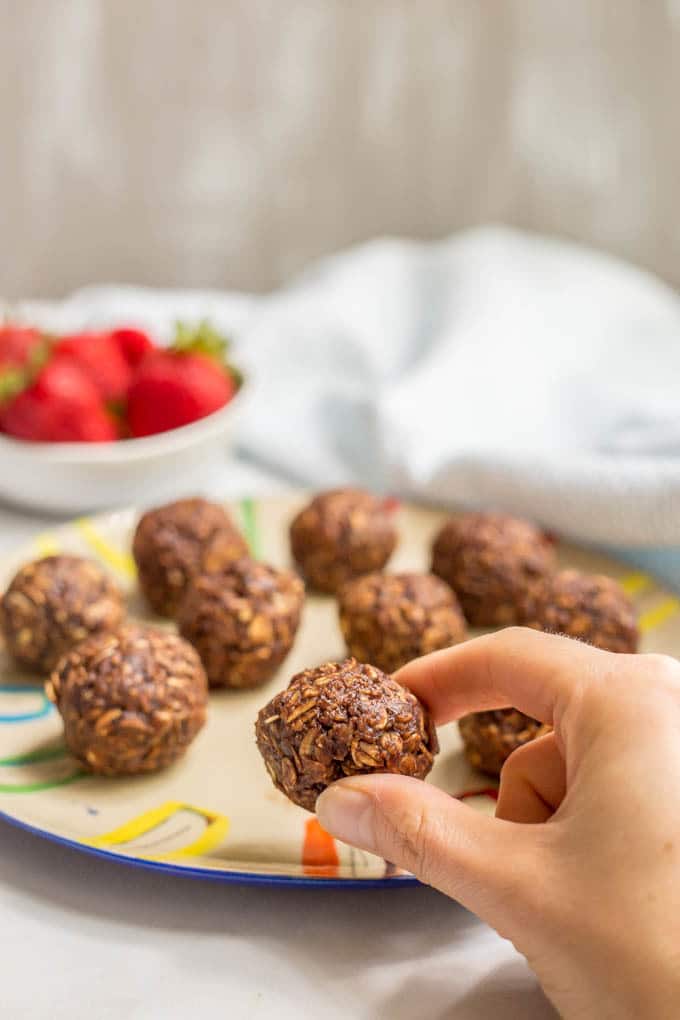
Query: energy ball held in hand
{"type": "Point", "coordinates": [174, 543]}
{"type": "Point", "coordinates": [493, 562]}
{"type": "Point", "coordinates": [489, 738]}
{"type": "Point", "coordinates": [242, 621]}
{"type": "Point", "coordinates": [54, 603]}
{"type": "Point", "coordinates": [591, 607]}
{"type": "Point", "coordinates": [389, 619]}
{"type": "Point", "coordinates": [131, 702]}
{"type": "Point", "coordinates": [342, 719]}
{"type": "Point", "coordinates": [342, 534]}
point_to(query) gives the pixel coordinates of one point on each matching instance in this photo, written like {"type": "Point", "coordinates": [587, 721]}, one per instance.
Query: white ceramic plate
{"type": "Point", "coordinates": [77, 477]}
{"type": "Point", "coordinates": [216, 814]}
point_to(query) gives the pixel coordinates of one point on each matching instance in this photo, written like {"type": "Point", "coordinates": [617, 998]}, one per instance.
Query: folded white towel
{"type": "Point", "coordinates": [493, 369]}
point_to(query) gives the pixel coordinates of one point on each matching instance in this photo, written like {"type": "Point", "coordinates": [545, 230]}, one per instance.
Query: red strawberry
{"type": "Point", "coordinates": [17, 343]}
{"type": "Point", "coordinates": [62, 405]}
{"type": "Point", "coordinates": [171, 390]}
{"type": "Point", "coordinates": [22, 351]}
{"type": "Point", "coordinates": [178, 386]}
{"type": "Point", "coordinates": [133, 344]}
{"type": "Point", "coordinates": [99, 356]}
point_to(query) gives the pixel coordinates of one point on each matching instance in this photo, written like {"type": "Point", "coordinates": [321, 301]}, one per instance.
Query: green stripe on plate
{"type": "Point", "coordinates": [48, 784]}
{"type": "Point", "coordinates": [43, 754]}
{"type": "Point", "coordinates": [248, 508]}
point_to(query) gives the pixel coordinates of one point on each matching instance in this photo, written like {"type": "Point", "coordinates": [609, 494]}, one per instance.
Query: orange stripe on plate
{"type": "Point", "coordinates": [319, 851]}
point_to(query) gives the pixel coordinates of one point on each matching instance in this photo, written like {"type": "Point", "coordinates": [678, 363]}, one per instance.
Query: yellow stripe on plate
{"type": "Point", "coordinates": [658, 615]}
{"type": "Point", "coordinates": [633, 584]}
{"type": "Point", "coordinates": [216, 828]}
{"type": "Point", "coordinates": [46, 545]}
{"type": "Point", "coordinates": [114, 557]}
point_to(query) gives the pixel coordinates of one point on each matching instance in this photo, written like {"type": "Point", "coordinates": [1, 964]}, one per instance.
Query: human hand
{"type": "Point", "coordinates": [580, 868]}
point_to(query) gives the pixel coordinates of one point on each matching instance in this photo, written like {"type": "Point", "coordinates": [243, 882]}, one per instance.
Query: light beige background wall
{"type": "Point", "coordinates": [228, 142]}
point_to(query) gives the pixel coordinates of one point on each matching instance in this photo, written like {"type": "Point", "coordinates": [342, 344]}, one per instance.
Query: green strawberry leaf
{"type": "Point", "coordinates": [236, 374]}
{"type": "Point", "coordinates": [201, 339]}
{"type": "Point", "coordinates": [12, 382]}
{"type": "Point", "coordinates": [40, 355]}
{"type": "Point", "coordinates": [16, 378]}
{"type": "Point", "coordinates": [205, 339]}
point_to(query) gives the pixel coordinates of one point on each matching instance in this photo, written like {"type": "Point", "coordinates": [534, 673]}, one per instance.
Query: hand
{"type": "Point", "coordinates": [580, 868]}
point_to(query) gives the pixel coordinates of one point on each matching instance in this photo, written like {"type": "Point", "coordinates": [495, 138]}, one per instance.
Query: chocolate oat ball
{"type": "Point", "coordinates": [131, 702]}
{"type": "Point", "coordinates": [52, 604]}
{"type": "Point", "coordinates": [342, 719]}
{"type": "Point", "coordinates": [489, 738]}
{"type": "Point", "coordinates": [342, 534]}
{"type": "Point", "coordinates": [493, 562]}
{"type": "Point", "coordinates": [175, 542]}
{"type": "Point", "coordinates": [591, 607]}
{"type": "Point", "coordinates": [389, 619]}
{"type": "Point", "coordinates": [243, 621]}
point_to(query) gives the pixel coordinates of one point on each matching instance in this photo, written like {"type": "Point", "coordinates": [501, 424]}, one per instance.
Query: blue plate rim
{"type": "Point", "coordinates": [208, 874]}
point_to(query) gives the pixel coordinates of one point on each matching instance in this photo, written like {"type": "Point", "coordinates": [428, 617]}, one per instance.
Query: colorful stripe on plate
{"type": "Point", "coordinates": [124, 836]}
{"type": "Point", "coordinates": [319, 851]}
{"type": "Point", "coordinates": [658, 615]}
{"type": "Point", "coordinates": [46, 545]}
{"type": "Point", "coordinates": [39, 757]}
{"type": "Point", "coordinates": [248, 511]}
{"type": "Point", "coordinates": [118, 559]}
{"type": "Point", "coordinates": [634, 584]}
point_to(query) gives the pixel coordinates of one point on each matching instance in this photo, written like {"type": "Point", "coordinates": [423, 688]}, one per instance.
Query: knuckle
{"type": "Point", "coordinates": [410, 834]}
{"type": "Point", "coordinates": [587, 700]}
{"type": "Point", "coordinates": [516, 633]}
{"type": "Point", "coordinates": [508, 636]}
{"type": "Point", "coordinates": [664, 668]}
{"type": "Point", "coordinates": [643, 684]}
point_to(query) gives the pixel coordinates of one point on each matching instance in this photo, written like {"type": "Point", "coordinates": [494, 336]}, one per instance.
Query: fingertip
{"type": "Point", "coordinates": [344, 810]}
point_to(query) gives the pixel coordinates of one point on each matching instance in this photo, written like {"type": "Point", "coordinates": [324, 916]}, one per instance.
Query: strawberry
{"type": "Point", "coordinates": [61, 405]}
{"type": "Point", "coordinates": [22, 351]}
{"type": "Point", "coordinates": [100, 357]}
{"type": "Point", "coordinates": [18, 343]}
{"type": "Point", "coordinates": [175, 387]}
{"type": "Point", "coordinates": [133, 344]}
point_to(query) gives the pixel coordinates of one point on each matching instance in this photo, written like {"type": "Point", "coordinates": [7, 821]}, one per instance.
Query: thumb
{"type": "Point", "coordinates": [488, 865]}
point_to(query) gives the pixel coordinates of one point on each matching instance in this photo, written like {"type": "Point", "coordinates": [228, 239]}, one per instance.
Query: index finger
{"type": "Point", "coordinates": [520, 668]}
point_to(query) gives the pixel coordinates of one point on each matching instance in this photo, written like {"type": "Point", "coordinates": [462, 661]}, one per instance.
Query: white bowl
{"type": "Point", "coordinates": [78, 477]}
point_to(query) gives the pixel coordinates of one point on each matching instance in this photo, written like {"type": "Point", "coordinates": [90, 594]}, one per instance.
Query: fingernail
{"type": "Point", "coordinates": [346, 812]}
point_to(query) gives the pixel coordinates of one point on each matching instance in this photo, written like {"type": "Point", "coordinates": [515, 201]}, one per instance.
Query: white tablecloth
{"type": "Point", "coordinates": [83, 939]}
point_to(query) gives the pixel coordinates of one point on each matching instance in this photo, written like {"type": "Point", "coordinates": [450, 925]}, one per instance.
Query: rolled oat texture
{"type": "Point", "coordinates": [131, 702]}
{"type": "Point", "coordinates": [342, 534]}
{"type": "Point", "coordinates": [489, 738]}
{"type": "Point", "coordinates": [493, 562]}
{"type": "Point", "coordinates": [174, 543]}
{"type": "Point", "coordinates": [389, 619]}
{"type": "Point", "coordinates": [242, 621]}
{"type": "Point", "coordinates": [342, 719]}
{"type": "Point", "coordinates": [591, 607]}
{"type": "Point", "coordinates": [54, 603]}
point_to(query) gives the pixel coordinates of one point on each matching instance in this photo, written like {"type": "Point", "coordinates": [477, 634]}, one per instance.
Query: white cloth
{"type": "Point", "coordinates": [83, 939]}
{"type": "Point", "coordinates": [494, 369]}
